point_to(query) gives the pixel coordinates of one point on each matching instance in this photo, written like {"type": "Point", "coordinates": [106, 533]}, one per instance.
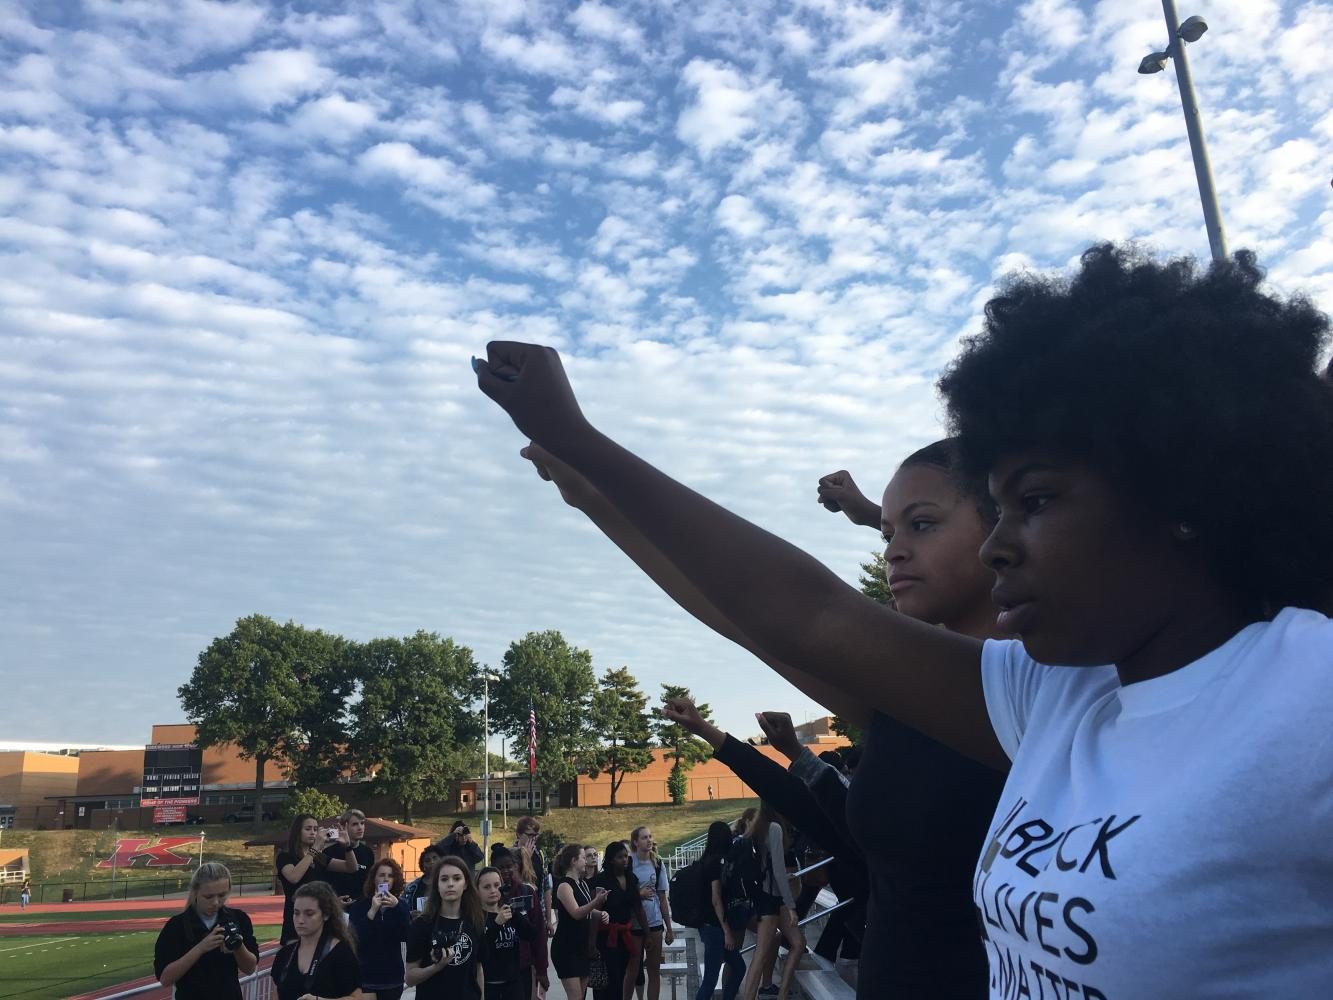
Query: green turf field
{"type": "Point", "coordinates": [48, 968]}
{"type": "Point", "coordinates": [14, 916]}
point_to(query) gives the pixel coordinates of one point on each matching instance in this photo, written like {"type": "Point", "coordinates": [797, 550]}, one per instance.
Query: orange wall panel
{"type": "Point", "coordinates": [181, 732]}
{"type": "Point", "coordinates": [110, 772]}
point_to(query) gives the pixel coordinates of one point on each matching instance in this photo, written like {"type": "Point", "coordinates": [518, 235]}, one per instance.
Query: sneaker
{"type": "Point", "coordinates": [768, 991]}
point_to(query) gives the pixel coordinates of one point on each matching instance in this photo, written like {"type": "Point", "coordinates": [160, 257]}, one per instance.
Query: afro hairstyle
{"type": "Point", "coordinates": [1195, 391]}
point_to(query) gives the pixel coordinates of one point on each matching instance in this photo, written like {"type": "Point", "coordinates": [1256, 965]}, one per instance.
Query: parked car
{"type": "Point", "coordinates": [246, 814]}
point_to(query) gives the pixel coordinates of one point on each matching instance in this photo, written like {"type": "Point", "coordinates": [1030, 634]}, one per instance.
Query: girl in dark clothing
{"type": "Point", "coordinates": [445, 943]}
{"type": "Point", "coordinates": [615, 939]}
{"type": "Point", "coordinates": [575, 902]}
{"type": "Point", "coordinates": [721, 943]}
{"type": "Point", "coordinates": [381, 921]}
{"type": "Point", "coordinates": [507, 923]}
{"type": "Point", "coordinates": [321, 960]}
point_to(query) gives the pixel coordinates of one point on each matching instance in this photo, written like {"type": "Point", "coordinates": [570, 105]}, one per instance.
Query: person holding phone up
{"type": "Point", "coordinates": [350, 857]}
{"type": "Point", "coordinates": [201, 950]}
{"type": "Point", "coordinates": [381, 921]}
{"type": "Point", "coordinates": [304, 861]}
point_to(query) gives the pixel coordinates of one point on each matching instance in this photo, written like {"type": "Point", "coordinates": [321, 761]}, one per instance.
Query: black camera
{"type": "Point", "coordinates": [441, 941]}
{"type": "Point", "coordinates": [232, 937]}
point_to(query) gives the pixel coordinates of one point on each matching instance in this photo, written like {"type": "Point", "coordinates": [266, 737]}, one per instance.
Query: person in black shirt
{"type": "Point", "coordinates": [576, 902]}
{"type": "Point", "coordinates": [304, 861]}
{"type": "Point", "coordinates": [445, 942]}
{"type": "Point", "coordinates": [320, 964]}
{"type": "Point", "coordinates": [507, 922]}
{"type": "Point", "coordinates": [615, 938]}
{"type": "Point", "coordinates": [414, 894]}
{"type": "Point", "coordinates": [460, 844]}
{"type": "Point", "coordinates": [721, 944]}
{"type": "Point", "coordinates": [349, 862]}
{"type": "Point", "coordinates": [201, 950]}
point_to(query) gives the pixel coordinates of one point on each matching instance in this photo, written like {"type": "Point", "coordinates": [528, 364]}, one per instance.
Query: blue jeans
{"type": "Point", "coordinates": [716, 957]}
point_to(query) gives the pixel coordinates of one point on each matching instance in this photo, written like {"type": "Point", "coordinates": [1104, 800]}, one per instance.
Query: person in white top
{"type": "Point", "coordinates": [1159, 446]}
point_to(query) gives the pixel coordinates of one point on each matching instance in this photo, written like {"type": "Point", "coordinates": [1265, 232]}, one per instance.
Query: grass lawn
{"type": "Point", "coordinates": [48, 968]}
{"type": "Point", "coordinates": [671, 825]}
{"type": "Point", "coordinates": [68, 858]}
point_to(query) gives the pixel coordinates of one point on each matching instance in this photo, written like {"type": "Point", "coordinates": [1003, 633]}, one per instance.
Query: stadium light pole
{"type": "Point", "coordinates": [1181, 34]}
{"type": "Point", "coordinates": [486, 677]}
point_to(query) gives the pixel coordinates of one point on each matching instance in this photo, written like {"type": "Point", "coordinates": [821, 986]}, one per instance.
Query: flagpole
{"type": "Point", "coordinates": [532, 755]}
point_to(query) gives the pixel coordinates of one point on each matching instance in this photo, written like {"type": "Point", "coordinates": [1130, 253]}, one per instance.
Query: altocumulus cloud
{"type": "Point", "coordinates": [248, 249]}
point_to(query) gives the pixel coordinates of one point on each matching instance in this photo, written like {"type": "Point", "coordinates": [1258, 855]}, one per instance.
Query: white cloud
{"type": "Point", "coordinates": [334, 118]}
{"type": "Point", "coordinates": [728, 108]}
{"type": "Point", "coordinates": [268, 79]}
{"type": "Point", "coordinates": [601, 21]}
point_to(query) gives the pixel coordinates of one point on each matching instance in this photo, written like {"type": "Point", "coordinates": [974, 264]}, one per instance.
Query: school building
{"type": "Point", "coordinates": [27, 782]}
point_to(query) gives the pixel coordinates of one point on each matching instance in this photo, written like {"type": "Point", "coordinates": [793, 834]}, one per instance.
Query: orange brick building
{"type": "Point", "coordinates": [28, 780]}
{"type": "Point", "coordinates": [111, 784]}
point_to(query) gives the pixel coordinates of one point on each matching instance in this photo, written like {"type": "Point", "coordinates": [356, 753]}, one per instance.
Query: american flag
{"type": "Point", "coordinates": [532, 739]}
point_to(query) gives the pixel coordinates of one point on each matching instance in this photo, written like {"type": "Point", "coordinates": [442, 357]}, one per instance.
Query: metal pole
{"type": "Point", "coordinates": [504, 784]}
{"type": "Point", "coordinates": [486, 764]}
{"type": "Point", "coordinates": [1203, 171]}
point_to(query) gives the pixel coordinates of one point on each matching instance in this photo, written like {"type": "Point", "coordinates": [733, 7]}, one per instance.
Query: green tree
{"type": "Point", "coordinates": [844, 728]}
{"type": "Point", "coordinates": [272, 691]}
{"type": "Point", "coordinates": [684, 749]}
{"type": "Point", "coordinates": [874, 579]}
{"type": "Point", "coordinates": [414, 725]}
{"type": "Point", "coordinates": [311, 800]}
{"type": "Point", "coordinates": [620, 717]}
{"type": "Point", "coordinates": [544, 671]}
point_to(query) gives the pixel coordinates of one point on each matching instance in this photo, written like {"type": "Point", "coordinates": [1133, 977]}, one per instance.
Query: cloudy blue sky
{"type": "Point", "coordinates": [248, 249]}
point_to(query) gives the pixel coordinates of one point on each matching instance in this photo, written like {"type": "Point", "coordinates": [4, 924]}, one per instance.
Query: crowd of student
{"type": "Point", "coordinates": [352, 925]}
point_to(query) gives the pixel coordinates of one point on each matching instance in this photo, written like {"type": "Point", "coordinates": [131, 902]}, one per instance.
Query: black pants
{"type": "Point", "coordinates": [388, 994]}
{"type": "Point", "coordinates": [617, 963]}
{"type": "Point", "coordinates": [509, 990]}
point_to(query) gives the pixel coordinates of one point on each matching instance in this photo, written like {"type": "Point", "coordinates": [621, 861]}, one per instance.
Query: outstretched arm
{"type": "Point", "coordinates": [580, 494]}
{"type": "Point", "coordinates": [790, 606]}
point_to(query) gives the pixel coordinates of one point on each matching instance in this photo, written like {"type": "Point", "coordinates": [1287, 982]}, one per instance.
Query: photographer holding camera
{"type": "Point", "coordinates": [201, 950]}
{"type": "Point", "coordinates": [445, 941]}
{"type": "Point", "coordinates": [507, 924]}
{"type": "Point", "coordinates": [520, 894]}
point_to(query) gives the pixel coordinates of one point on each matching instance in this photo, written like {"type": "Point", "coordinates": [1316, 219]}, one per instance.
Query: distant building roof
{"type": "Point", "coordinates": [40, 746]}
{"type": "Point", "coordinates": [377, 831]}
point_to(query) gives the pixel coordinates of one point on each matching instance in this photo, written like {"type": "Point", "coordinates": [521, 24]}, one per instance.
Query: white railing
{"type": "Point", "coordinates": [256, 986]}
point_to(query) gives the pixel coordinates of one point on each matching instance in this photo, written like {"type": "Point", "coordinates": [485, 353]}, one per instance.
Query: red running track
{"type": "Point", "coordinates": [262, 909]}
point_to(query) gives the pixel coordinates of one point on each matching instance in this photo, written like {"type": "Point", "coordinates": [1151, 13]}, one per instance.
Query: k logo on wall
{"type": "Point", "coordinates": [159, 852]}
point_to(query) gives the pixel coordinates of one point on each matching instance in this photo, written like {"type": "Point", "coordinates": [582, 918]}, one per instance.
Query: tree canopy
{"type": "Point", "coordinates": [620, 720]}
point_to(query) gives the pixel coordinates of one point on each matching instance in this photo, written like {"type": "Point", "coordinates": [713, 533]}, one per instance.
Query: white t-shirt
{"type": "Point", "coordinates": [1170, 838]}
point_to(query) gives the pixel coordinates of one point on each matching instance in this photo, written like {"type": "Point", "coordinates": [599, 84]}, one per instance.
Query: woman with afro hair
{"type": "Point", "coordinates": [1159, 446]}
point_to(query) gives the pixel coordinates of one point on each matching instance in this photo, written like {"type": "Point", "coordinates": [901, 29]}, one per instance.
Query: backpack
{"type": "Point", "coordinates": [690, 897]}
{"type": "Point", "coordinates": [742, 881]}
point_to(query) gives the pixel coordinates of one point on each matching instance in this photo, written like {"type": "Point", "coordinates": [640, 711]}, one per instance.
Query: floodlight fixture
{"type": "Point", "coordinates": [1192, 28]}
{"type": "Point", "coordinates": [1154, 62]}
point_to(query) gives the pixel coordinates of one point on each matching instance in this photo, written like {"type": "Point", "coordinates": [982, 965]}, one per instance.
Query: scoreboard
{"type": "Point", "coordinates": [171, 774]}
